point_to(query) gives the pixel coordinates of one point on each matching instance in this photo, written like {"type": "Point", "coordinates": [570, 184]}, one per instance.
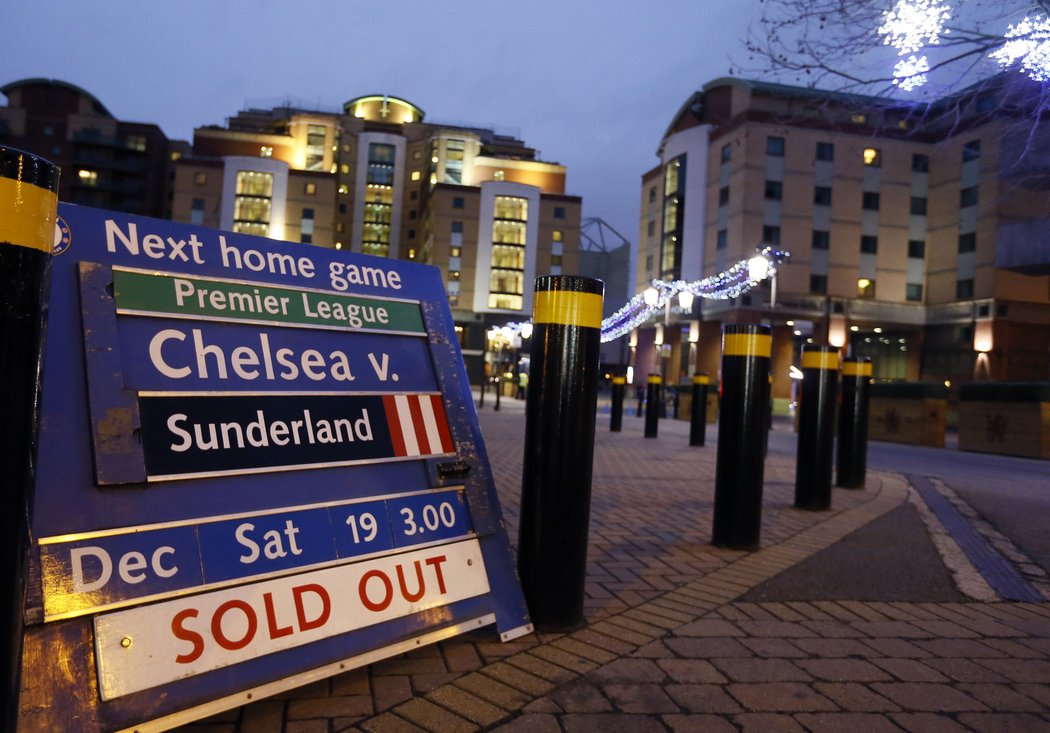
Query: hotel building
{"type": "Point", "coordinates": [916, 234]}
{"type": "Point", "coordinates": [379, 179]}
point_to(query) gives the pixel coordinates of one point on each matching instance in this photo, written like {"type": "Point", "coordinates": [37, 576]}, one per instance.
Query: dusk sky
{"type": "Point", "coordinates": [592, 84]}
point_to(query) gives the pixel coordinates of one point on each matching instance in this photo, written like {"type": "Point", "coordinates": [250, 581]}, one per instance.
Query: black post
{"type": "Point", "coordinates": [481, 399]}
{"type": "Point", "coordinates": [698, 413]}
{"type": "Point", "coordinates": [498, 390]}
{"type": "Point", "coordinates": [739, 470]}
{"type": "Point", "coordinates": [653, 401]}
{"type": "Point", "coordinates": [816, 427]}
{"type": "Point", "coordinates": [28, 214]}
{"type": "Point", "coordinates": [616, 413]}
{"type": "Point", "coordinates": [853, 423]}
{"type": "Point", "coordinates": [559, 448]}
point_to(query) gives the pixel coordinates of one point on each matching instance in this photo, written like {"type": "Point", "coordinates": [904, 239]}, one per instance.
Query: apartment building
{"type": "Point", "coordinates": [106, 162]}
{"type": "Point", "coordinates": [912, 230]}
{"type": "Point", "coordinates": [379, 179]}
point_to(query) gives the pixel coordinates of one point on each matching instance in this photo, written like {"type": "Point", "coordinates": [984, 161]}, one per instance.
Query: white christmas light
{"type": "Point", "coordinates": [910, 73]}
{"type": "Point", "coordinates": [1028, 46]}
{"type": "Point", "coordinates": [735, 281]}
{"type": "Point", "coordinates": [914, 24]}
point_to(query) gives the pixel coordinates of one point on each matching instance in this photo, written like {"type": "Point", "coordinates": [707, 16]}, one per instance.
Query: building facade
{"type": "Point", "coordinates": [912, 230]}
{"type": "Point", "coordinates": [105, 162]}
{"type": "Point", "coordinates": [379, 179]}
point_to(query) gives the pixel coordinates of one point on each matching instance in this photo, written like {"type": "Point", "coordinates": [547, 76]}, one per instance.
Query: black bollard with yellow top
{"type": "Point", "coordinates": [698, 411]}
{"type": "Point", "coordinates": [816, 427]}
{"type": "Point", "coordinates": [559, 448]}
{"type": "Point", "coordinates": [616, 412]}
{"type": "Point", "coordinates": [852, 452]}
{"type": "Point", "coordinates": [739, 470]}
{"type": "Point", "coordinates": [653, 401]}
{"type": "Point", "coordinates": [28, 213]}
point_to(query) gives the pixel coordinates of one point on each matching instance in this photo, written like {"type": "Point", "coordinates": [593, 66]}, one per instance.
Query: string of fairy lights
{"type": "Point", "coordinates": [913, 25]}
{"type": "Point", "coordinates": [732, 283]}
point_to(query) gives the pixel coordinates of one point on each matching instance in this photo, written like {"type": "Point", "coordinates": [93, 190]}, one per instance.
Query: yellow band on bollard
{"type": "Point", "coordinates": [27, 215]}
{"type": "Point", "coordinates": [655, 379]}
{"type": "Point", "coordinates": [856, 369]}
{"type": "Point", "coordinates": [619, 380]}
{"type": "Point", "coordinates": [567, 308]}
{"type": "Point", "coordinates": [747, 344]}
{"type": "Point", "coordinates": [820, 360]}
{"type": "Point", "coordinates": [702, 380]}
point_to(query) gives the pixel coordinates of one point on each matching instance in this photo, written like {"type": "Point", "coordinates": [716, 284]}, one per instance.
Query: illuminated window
{"type": "Point", "coordinates": [87, 178]}
{"type": "Point", "coordinates": [199, 179]}
{"type": "Point", "coordinates": [266, 151]}
{"type": "Point", "coordinates": [509, 232]}
{"type": "Point", "coordinates": [858, 118]}
{"type": "Point", "coordinates": [416, 175]}
{"type": "Point", "coordinates": [865, 288]}
{"type": "Point", "coordinates": [872, 157]}
{"type": "Point", "coordinates": [252, 202]}
{"type": "Point", "coordinates": [499, 175]}
{"type": "Point", "coordinates": [511, 207]}
{"type": "Point", "coordinates": [344, 189]}
{"type": "Point", "coordinates": [310, 189]}
{"type": "Point", "coordinates": [315, 147]}
{"type": "Point", "coordinates": [138, 142]}
{"type": "Point", "coordinates": [671, 176]}
{"type": "Point", "coordinates": [556, 235]}
{"type": "Point", "coordinates": [344, 168]}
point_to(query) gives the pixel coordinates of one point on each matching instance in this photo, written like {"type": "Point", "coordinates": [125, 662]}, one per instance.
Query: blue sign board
{"type": "Point", "coordinates": [238, 433]}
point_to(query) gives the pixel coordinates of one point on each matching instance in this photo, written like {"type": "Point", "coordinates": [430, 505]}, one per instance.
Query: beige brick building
{"type": "Point", "coordinates": [912, 230]}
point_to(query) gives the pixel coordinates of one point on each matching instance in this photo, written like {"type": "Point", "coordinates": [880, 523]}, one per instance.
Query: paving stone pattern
{"type": "Point", "coordinates": [669, 646]}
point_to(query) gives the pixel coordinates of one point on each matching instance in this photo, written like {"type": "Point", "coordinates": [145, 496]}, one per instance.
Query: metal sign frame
{"type": "Point", "coordinates": [259, 465]}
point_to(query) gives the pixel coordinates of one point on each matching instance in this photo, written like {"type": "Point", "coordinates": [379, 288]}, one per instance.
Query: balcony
{"type": "Point", "coordinates": [1024, 247]}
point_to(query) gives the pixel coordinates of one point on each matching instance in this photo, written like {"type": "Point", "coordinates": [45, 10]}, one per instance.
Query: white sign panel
{"type": "Point", "coordinates": [155, 644]}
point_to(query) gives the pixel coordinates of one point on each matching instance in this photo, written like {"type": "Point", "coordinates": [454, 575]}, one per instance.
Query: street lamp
{"type": "Point", "coordinates": [758, 269]}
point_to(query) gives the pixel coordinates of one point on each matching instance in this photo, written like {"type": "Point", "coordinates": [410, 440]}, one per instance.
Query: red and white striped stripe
{"type": "Point", "coordinates": [418, 425]}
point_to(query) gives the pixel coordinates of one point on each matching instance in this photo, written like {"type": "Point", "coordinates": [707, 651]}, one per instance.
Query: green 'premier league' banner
{"type": "Point", "coordinates": [259, 465]}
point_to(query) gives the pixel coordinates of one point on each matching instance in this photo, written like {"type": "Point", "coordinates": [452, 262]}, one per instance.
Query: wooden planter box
{"type": "Point", "coordinates": [908, 412]}
{"type": "Point", "coordinates": [1009, 418]}
{"type": "Point", "coordinates": [685, 402]}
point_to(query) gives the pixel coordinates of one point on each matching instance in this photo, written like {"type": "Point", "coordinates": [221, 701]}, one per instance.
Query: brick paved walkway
{"type": "Point", "coordinates": [669, 646]}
